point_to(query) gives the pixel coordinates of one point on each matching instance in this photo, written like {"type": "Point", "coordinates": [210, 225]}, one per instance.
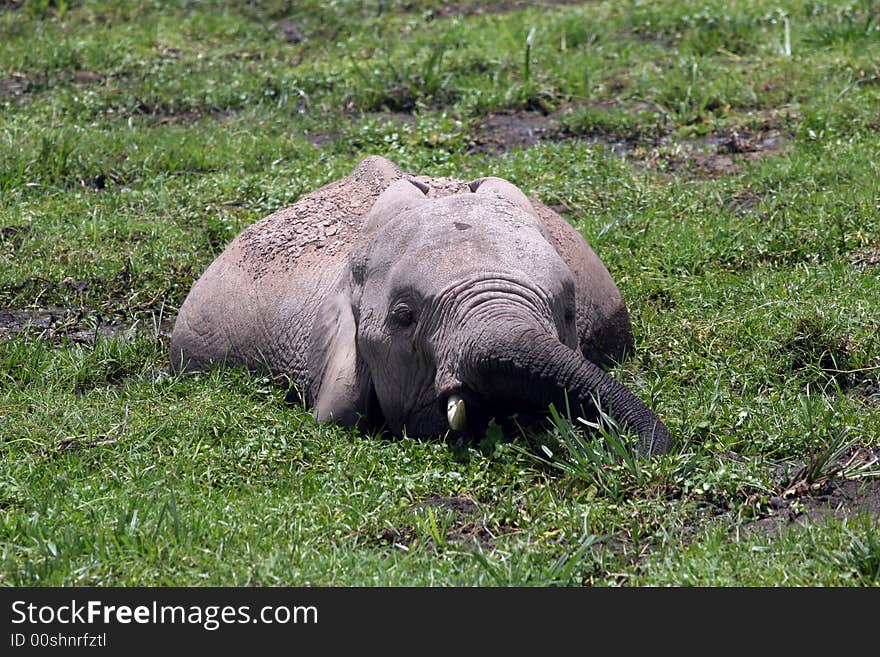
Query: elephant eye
{"type": "Point", "coordinates": [401, 316]}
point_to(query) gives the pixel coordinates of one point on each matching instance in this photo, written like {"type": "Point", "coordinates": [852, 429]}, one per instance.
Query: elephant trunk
{"type": "Point", "coordinates": [526, 366]}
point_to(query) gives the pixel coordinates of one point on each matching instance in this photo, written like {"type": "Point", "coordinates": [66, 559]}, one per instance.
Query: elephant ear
{"type": "Point", "coordinates": [342, 389]}
{"type": "Point", "coordinates": [504, 189]}
{"type": "Point", "coordinates": [400, 196]}
{"type": "Point", "coordinates": [501, 188]}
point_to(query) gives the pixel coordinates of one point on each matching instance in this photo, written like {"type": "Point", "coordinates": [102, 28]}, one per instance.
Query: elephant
{"type": "Point", "coordinates": [423, 306]}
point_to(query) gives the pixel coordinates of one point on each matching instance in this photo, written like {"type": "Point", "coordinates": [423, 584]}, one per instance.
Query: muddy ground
{"type": "Point", "coordinates": [837, 498]}
{"type": "Point", "coordinates": [717, 154]}
{"type": "Point", "coordinates": [845, 488]}
{"type": "Point", "coordinates": [459, 518]}
{"type": "Point", "coordinates": [75, 324]}
{"type": "Point", "coordinates": [843, 492]}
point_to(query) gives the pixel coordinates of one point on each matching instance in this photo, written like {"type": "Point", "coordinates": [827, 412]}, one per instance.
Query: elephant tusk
{"type": "Point", "coordinates": [455, 413]}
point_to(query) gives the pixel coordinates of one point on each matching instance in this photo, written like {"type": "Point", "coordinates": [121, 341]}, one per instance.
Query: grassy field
{"type": "Point", "coordinates": [721, 158]}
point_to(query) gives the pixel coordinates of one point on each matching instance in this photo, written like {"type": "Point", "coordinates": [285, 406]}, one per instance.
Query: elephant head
{"type": "Point", "coordinates": [456, 310]}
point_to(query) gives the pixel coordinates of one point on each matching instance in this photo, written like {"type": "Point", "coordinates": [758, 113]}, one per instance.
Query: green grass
{"type": "Point", "coordinates": [139, 138]}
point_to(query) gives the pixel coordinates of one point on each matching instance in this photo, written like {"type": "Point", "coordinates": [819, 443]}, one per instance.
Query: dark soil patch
{"type": "Point", "coordinates": [464, 528]}
{"type": "Point", "coordinates": [125, 294]}
{"type": "Point", "coordinates": [812, 344]}
{"type": "Point", "coordinates": [43, 8]}
{"type": "Point", "coordinates": [82, 324]}
{"type": "Point", "coordinates": [82, 78]}
{"type": "Point", "coordinates": [845, 498]}
{"type": "Point", "coordinates": [836, 496]}
{"type": "Point", "coordinates": [291, 31]}
{"type": "Point", "coordinates": [164, 115]}
{"type": "Point", "coordinates": [866, 257]}
{"type": "Point", "coordinates": [53, 322]}
{"type": "Point", "coordinates": [321, 139]}
{"type": "Point", "coordinates": [399, 537]}
{"type": "Point", "coordinates": [660, 298]}
{"type": "Point", "coordinates": [745, 141]}
{"type": "Point", "coordinates": [19, 84]}
{"type": "Point", "coordinates": [102, 181]}
{"type": "Point", "coordinates": [15, 85]}
{"type": "Point", "coordinates": [502, 131]}
{"type": "Point", "coordinates": [561, 209]}
{"type": "Point", "coordinates": [499, 132]}
{"type": "Point", "coordinates": [11, 503]}
{"type": "Point", "coordinates": [721, 153]}
{"type": "Point", "coordinates": [82, 310]}
{"type": "Point", "coordinates": [461, 505]}
{"type": "Point", "coordinates": [715, 155]}
{"type": "Point", "coordinates": [40, 288]}
{"type": "Point", "coordinates": [868, 392]}
{"type": "Point", "coordinates": [473, 533]}
{"type": "Point", "coordinates": [744, 202]}
{"type": "Point", "coordinates": [472, 9]}
{"type": "Point", "coordinates": [709, 164]}
{"type": "Point", "coordinates": [468, 533]}
{"type": "Point", "coordinates": [14, 235]}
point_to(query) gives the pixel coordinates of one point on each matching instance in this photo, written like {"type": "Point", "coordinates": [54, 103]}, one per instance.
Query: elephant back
{"type": "Point", "coordinates": [319, 228]}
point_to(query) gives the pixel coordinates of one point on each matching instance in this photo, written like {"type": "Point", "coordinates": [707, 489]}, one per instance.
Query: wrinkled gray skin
{"type": "Point", "coordinates": [382, 295]}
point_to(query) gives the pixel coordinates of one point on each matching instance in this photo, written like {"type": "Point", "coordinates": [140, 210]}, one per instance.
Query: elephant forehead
{"type": "Point", "coordinates": [439, 248]}
{"type": "Point", "coordinates": [462, 220]}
